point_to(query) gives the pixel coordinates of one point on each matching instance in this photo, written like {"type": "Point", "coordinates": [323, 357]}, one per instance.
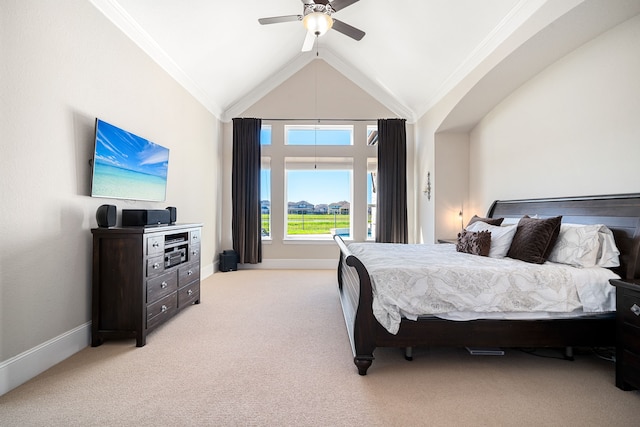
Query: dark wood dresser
{"type": "Point", "coordinates": [627, 334]}
{"type": "Point", "coordinates": [142, 276]}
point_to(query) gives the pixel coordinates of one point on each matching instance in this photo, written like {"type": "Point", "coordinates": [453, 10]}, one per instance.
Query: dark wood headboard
{"type": "Point", "coordinates": [619, 212]}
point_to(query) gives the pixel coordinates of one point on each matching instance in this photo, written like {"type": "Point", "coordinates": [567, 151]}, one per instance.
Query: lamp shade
{"type": "Point", "coordinates": [317, 23]}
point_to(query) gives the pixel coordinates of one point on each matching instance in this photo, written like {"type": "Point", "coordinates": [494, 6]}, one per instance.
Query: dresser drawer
{"type": "Point", "coordinates": [194, 253]}
{"type": "Point", "coordinates": [155, 245]}
{"type": "Point", "coordinates": [628, 307]}
{"type": "Point", "coordinates": [162, 309]}
{"type": "Point", "coordinates": [155, 266]}
{"type": "Point", "coordinates": [194, 237]}
{"type": "Point", "coordinates": [630, 336]}
{"type": "Point", "coordinates": [187, 274]}
{"type": "Point", "coordinates": [160, 286]}
{"type": "Point", "coordinates": [188, 294]}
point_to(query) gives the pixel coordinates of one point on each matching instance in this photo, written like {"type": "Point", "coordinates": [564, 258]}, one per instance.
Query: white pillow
{"type": "Point", "coordinates": [585, 246]}
{"type": "Point", "coordinates": [501, 237]}
{"type": "Point", "coordinates": [510, 221]}
{"type": "Point", "coordinates": [609, 255]}
{"type": "Point", "coordinates": [515, 220]}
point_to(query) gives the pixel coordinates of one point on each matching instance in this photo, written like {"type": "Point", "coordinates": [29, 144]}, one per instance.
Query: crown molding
{"type": "Point", "coordinates": [380, 93]}
{"type": "Point", "coordinates": [113, 11]}
{"type": "Point", "coordinates": [121, 19]}
{"type": "Point", "coordinates": [254, 95]}
{"type": "Point", "coordinates": [520, 13]}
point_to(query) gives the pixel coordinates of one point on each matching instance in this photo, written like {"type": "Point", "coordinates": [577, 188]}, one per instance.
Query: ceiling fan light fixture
{"type": "Point", "coordinates": [318, 23]}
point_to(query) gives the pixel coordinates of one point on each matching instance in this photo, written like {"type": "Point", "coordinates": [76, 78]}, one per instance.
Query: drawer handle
{"type": "Point", "coordinates": [189, 292]}
{"type": "Point", "coordinates": [194, 253]}
{"type": "Point", "coordinates": [189, 273]}
{"type": "Point", "coordinates": [635, 309]}
{"type": "Point", "coordinates": [156, 244]}
{"type": "Point", "coordinates": [156, 266]}
{"type": "Point", "coordinates": [164, 285]}
{"type": "Point", "coordinates": [164, 308]}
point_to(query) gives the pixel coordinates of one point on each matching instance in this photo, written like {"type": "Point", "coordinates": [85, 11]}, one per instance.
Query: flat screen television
{"type": "Point", "coordinates": [127, 166]}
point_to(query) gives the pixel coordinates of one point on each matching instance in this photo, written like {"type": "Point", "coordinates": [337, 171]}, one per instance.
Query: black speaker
{"type": "Point", "coordinates": [106, 216]}
{"type": "Point", "coordinates": [228, 260]}
{"type": "Point", "coordinates": [173, 214]}
{"type": "Point", "coordinates": [144, 217]}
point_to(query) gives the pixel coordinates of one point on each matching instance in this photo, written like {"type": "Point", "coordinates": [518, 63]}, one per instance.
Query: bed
{"type": "Point", "coordinates": [619, 213]}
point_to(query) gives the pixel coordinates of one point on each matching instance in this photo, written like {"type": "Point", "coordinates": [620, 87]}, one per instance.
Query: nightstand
{"type": "Point", "coordinates": [627, 334]}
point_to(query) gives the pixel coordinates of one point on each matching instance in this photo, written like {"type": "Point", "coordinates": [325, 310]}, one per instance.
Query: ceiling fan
{"type": "Point", "coordinates": [317, 19]}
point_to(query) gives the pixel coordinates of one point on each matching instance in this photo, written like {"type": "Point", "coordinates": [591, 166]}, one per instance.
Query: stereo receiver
{"type": "Point", "coordinates": [175, 257]}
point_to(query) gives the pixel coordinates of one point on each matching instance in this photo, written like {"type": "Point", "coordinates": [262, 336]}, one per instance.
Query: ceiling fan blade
{"type": "Point", "coordinates": [278, 19]}
{"type": "Point", "coordinates": [348, 30]}
{"type": "Point", "coordinates": [309, 40]}
{"type": "Point", "coordinates": [341, 4]}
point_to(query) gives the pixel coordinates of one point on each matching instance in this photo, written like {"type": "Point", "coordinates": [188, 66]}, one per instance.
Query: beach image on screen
{"type": "Point", "coordinates": [127, 166]}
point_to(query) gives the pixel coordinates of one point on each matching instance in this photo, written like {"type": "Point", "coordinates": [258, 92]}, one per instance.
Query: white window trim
{"type": "Point", "coordinates": [359, 151]}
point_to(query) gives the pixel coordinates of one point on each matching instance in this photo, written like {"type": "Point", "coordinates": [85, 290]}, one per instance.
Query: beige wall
{"type": "Point", "coordinates": [63, 64]}
{"type": "Point", "coordinates": [582, 101]}
{"type": "Point", "coordinates": [337, 98]}
{"type": "Point", "coordinates": [572, 130]}
{"type": "Point", "coordinates": [452, 154]}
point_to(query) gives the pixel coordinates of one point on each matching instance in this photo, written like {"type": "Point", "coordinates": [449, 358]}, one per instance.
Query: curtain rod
{"type": "Point", "coordinates": [320, 120]}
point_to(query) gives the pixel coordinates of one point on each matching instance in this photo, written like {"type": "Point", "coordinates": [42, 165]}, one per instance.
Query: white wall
{"type": "Point", "coordinates": [62, 65]}
{"type": "Point", "coordinates": [337, 98]}
{"type": "Point", "coordinates": [572, 130]}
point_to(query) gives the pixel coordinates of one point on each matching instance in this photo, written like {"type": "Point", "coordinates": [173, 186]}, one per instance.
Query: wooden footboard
{"type": "Point", "coordinates": [621, 213]}
{"type": "Point", "coordinates": [356, 297]}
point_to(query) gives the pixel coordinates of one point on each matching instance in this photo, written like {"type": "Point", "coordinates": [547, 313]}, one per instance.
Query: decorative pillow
{"type": "Point", "coordinates": [534, 239]}
{"type": "Point", "coordinates": [474, 243]}
{"type": "Point", "coordinates": [585, 246]}
{"type": "Point", "coordinates": [501, 237]}
{"type": "Point", "coordinates": [491, 221]}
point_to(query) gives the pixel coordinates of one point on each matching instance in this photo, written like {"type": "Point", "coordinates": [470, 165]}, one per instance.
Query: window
{"type": "Point", "coordinates": [319, 135]}
{"type": "Point", "coordinates": [318, 194]}
{"type": "Point", "coordinates": [372, 185]}
{"type": "Point", "coordinates": [265, 135]}
{"type": "Point", "coordinates": [318, 179]}
{"type": "Point", "coordinates": [265, 197]}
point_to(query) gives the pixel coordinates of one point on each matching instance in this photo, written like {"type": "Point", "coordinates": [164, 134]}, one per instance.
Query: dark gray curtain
{"type": "Point", "coordinates": [245, 190]}
{"type": "Point", "coordinates": [391, 221]}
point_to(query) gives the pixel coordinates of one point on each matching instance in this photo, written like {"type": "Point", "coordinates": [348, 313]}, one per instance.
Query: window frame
{"type": "Point", "coordinates": [359, 151]}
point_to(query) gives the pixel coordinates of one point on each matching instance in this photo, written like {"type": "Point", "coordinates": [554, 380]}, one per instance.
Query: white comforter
{"type": "Point", "coordinates": [414, 280]}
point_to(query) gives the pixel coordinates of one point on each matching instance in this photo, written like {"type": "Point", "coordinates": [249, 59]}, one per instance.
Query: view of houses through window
{"type": "Point", "coordinates": [318, 190]}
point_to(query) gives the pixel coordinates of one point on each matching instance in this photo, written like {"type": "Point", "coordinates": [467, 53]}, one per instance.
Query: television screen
{"type": "Point", "coordinates": [126, 166]}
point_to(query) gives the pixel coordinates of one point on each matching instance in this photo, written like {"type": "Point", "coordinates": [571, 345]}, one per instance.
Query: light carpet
{"type": "Point", "coordinates": [270, 348]}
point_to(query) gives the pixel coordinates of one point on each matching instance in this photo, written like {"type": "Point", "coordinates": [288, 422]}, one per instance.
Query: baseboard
{"type": "Point", "coordinates": [25, 366]}
{"type": "Point", "coordinates": [208, 270]}
{"type": "Point", "coordinates": [292, 264]}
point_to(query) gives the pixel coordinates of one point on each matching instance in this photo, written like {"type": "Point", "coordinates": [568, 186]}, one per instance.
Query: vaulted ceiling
{"type": "Point", "coordinates": [413, 53]}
